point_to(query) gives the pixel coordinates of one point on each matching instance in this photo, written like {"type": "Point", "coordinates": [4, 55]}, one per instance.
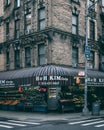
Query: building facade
{"type": "Point", "coordinates": [37, 33]}
{"type": "Point", "coordinates": [30, 26]}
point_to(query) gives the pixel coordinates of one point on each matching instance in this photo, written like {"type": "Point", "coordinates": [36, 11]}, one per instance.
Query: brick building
{"type": "Point", "coordinates": [38, 33]}
{"type": "Point", "coordinates": [30, 26]}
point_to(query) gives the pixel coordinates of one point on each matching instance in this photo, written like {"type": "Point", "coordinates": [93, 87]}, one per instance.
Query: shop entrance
{"type": "Point", "coordinates": [53, 97]}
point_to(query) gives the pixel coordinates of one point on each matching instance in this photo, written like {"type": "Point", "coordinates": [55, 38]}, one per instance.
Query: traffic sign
{"type": "Point", "coordinates": [87, 49]}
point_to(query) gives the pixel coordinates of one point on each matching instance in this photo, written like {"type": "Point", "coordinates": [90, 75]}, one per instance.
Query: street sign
{"type": "Point", "coordinates": [87, 51]}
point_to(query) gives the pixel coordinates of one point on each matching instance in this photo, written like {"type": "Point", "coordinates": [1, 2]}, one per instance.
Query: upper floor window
{"type": "Point", "coordinates": [8, 2]}
{"type": "Point", "coordinates": [76, 1]}
{"type": "Point", "coordinates": [103, 6]}
{"type": "Point", "coordinates": [92, 30]}
{"type": "Point", "coordinates": [74, 24]}
{"type": "Point", "coordinates": [7, 28]}
{"type": "Point", "coordinates": [7, 57]}
{"type": "Point", "coordinates": [91, 65]}
{"type": "Point", "coordinates": [27, 57]}
{"type": "Point", "coordinates": [17, 59]}
{"type": "Point", "coordinates": [28, 17]}
{"type": "Point", "coordinates": [17, 3]}
{"type": "Point", "coordinates": [41, 54]}
{"type": "Point", "coordinates": [74, 56]}
{"type": "Point", "coordinates": [7, 60]}
{"type": "Point", "coordinates": [17, 28]}
{"type": "Point", "coordinates": [41, 18]}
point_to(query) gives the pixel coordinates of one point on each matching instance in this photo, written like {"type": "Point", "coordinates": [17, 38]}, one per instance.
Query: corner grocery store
{"type": "Point", "coordinates": [48, 88]}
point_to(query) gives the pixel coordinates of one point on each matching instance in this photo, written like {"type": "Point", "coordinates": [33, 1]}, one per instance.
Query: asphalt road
{"type": "Point", "coordinates": [77, 124]}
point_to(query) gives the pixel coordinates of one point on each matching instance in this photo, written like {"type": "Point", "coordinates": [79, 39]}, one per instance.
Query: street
{"type": "Point", "coordinates": [76, 124]}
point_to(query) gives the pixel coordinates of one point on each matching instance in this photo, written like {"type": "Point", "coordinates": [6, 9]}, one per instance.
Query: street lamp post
{"type": "Point", "coordinates": [87, 55]}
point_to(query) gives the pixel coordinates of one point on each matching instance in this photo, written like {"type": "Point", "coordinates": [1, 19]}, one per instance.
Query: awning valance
{"type": "Point", "coordinates": [37, 74]}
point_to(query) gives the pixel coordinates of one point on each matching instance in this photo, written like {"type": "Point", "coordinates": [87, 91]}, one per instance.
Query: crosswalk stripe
{"type": "Point", "coordinates": [91, 123]}
{"type": "Point", "coordinates": [6, 126]}
{"type": "Point", "coordinates": [99, 125]}
{"type": "Point", "coordinates": [8, 123]}
{"type": "Point", "coordinates": [78, 122]}
{"type": "Point", "coordinates": [25, 122]}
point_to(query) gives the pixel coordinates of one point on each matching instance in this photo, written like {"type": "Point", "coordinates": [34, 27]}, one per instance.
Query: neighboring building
{"type": "Point", "coordinates": [50, 32]}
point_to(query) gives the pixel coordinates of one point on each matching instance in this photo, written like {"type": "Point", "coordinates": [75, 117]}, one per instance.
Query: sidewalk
{"type": "Point", "coordinates": [31, 116]}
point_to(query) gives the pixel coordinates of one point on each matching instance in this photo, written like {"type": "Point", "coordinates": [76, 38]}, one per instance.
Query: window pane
{"type": "Point", "coordinates": [74, 55]}
{"type": "Point", "coordinates": [42, 13]}
{"type": "Point", "coordinates": [92, 30]}
{"type": "Point", "coordinates": [7, 57]}
{"type": "Point", "coordinates": [74, 30]}
{"type": "Point", "coordinates": [42, 60]}
{"type": "Point", "coordinates": [42, 24]}
{"type": "Point", "coordinates": [74, 20]}
{"type": "Point", "coordinates": [7, 28]}
{"type": "Point", "coordinates": [27, 57]}
{"type": "Point", "coordinates": [41, 54]}
{"type": "Point", "coordinates": [18, 3]}
{"type": "Point", "coordinates": [17, 59]}
{"type": "Point", "coordinates": [41, 18]}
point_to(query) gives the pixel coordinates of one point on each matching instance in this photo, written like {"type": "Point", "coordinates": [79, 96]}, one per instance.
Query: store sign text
{"type": "Point", "coordinates": [7, 83]}
{"type": "Point", "coordinates": [95, 81]}
{"type": "Point", "coordinates": [51, 78]}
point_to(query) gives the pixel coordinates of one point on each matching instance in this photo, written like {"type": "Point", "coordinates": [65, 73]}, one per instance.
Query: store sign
{"type": "Point", "coordinates": [50, 80]}
{"type": "Point", "coordinates": [7, 83]}
{"type": "Point", "coordinates": [95, 82]}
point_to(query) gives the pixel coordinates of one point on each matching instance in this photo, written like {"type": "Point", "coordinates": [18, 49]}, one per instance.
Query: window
{"type": "Point", "coordinates": [92, 30]}
{"type": "Point", "coordinates": [103, 6]}
{"type": "Point", "coordinates": [28, 21]}
{"type": "Point", "coordinates": [74, 56]}
{"type": "Point", "coordinates": [17, 28]}
{"type": "Point", "coordinates": [103, 31]}
{"type": "Point", "coordinates": [7, 58]}
{"type": "Point", "coordinates": [17, 59]}
{"type": "Point", "coordinates": [41, 18]}
{"type": "Point", "coordinates": [74, 24]}
{"type": "Point", "coordinates": [41, 54]}
{"type": "Point", "coordinates": [27, 57]}
{"type": "Point", "coordinates": [7, 28]}
{"type": "Point", "coordinates": [91, 59]}
{"type": "Point", "coordinates": [76, 1]}
{"type": "Point", "coordinates": [8, 2]}
{"type": "Point", "coordinates": [17, 3]}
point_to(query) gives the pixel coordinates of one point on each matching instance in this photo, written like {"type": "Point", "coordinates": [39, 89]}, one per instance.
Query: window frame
{"type": "Point", "coordinates": [92, 30]}
{"type": "Point", "coordinates": [27, 56]}
{"type": "Point", "coordinates": [17, 3]}
{"type": "Point", "coordinates": [75, 24]}
{"type": "Point", "coordinates": [41, 54]}
{"type": "Point", "coordinates": [7, 28]}
{"type": "Point", "coordinates": [17, 29]}
{"type": "Point", "coordinates": [17, 59]}
{"type": "Point", "coordinates": [41, 21]}
{"type": "Point", "coordinates": [74, 55]}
